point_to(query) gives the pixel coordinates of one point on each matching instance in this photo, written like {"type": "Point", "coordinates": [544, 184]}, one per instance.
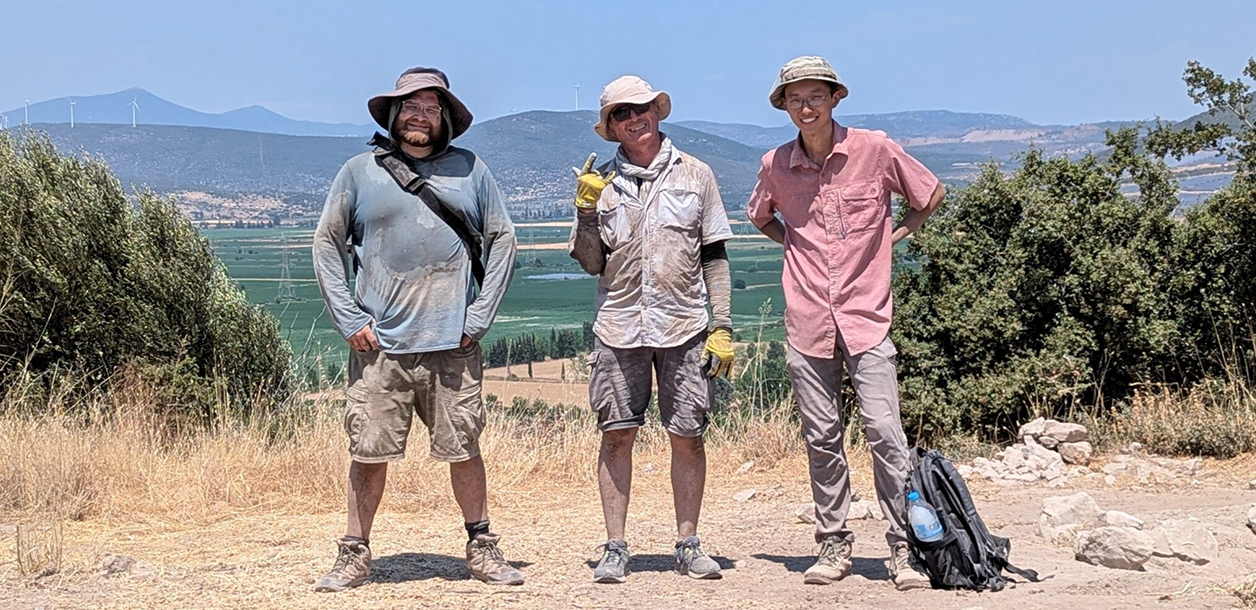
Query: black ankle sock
{"type": "Point", "coordinates": [475, 529]}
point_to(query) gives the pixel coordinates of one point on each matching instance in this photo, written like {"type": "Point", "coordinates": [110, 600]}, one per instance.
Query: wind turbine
{"type": "Point", "coordinates": [28, 112]}
{"type": "Point", "coordinates": [577, 98]}
{"type": "Point", "coordinates": [134, 107]}
{"type": "Point", "coordinates": [71, 113]}
{"type": "Point", "coordinates": [4, 122]}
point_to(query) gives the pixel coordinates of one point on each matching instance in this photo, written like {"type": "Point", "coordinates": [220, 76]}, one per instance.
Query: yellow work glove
{"type": "Point", "coordinates": [719, 348]}
{"type": "Point", "coordinates": [589, 184]}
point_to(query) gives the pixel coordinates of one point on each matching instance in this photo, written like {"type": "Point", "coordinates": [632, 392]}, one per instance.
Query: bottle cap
{"type": "Point", "coordinates": [913, 495]}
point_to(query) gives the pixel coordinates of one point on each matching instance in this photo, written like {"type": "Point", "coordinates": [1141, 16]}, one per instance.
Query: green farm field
{"type": "Point", "coordinates": [549, 289]}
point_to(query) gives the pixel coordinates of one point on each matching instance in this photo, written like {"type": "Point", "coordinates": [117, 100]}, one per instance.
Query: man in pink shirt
{"type": "Point", "coordinates": [831, 190]}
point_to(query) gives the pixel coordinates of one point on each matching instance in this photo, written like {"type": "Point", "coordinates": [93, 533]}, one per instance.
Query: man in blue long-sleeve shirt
{"type": "Point", "coordinates": [413, 319]}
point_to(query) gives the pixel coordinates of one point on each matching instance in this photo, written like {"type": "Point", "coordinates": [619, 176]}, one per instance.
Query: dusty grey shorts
{"type": "Point", "coordinates": [619, 386]}
{"type": "Point", "coordinates": [385, 390]}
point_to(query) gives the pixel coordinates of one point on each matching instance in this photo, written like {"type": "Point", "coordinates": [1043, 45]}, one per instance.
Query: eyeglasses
{"type": "Point", "coordinates": [812, 102]}
{"type": "Point", "coordinates": [431, 111]}
{"type": "Point", "coordinates": [623, 112]}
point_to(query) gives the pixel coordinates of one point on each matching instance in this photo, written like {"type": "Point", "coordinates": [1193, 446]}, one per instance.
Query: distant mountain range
{"type": "Point", "coordinates": [115, 109]}
{"type": "Point", "coordinates": [255, 163]}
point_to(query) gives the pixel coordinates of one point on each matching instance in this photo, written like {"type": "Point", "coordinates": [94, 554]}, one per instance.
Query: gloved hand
{"type": "Point", "coordinates": [719, 348]}
{"type": "Point", "coordinates": [589, 184]}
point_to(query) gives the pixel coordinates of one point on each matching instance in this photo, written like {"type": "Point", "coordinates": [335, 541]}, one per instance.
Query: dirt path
{"type": "Point", "coordinates": [270, 561]}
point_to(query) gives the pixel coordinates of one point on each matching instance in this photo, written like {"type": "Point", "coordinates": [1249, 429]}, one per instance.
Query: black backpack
{"type": "Point", "coordinates": [967, 556]}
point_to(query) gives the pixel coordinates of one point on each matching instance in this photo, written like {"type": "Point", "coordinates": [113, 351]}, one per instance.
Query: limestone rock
{"type": "Point", "coordinates": [1116, 518]}
{"type": "Point", "coordinates": [1160, 543]}
{"type": "Point", "coordinates": [744, 468]}
{"type": "Point", "coordinates": [744, 495]}
{"type": "Point", "coordinates": [1063, 516]}
{"type": "Point", "coordinates": [1078, 453]}
{"type": "Point", "coordinates": [1033, 428]}
{"type": "Point", "coordinates": [806, 513]}
{"type": "Point", "coordinates": [1120, 548]}
{"type": "Point", "coordinates": [1064, 432]}
{"type": "Point", "coordinates": [1048, 442]}
{"type": "Point", "coordinates": [1192, 541]}
{"type": "Point", "coordinates": [864, 509]}
{"type": "Point", "coordinates": [1251, 518]}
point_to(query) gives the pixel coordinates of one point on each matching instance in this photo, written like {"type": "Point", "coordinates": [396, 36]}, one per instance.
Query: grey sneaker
{"type": "Point", "coordinates": [832, 562]}
{"type": "Point", "coordinates": [352, 567]}
{"type": "Point", "coordinates": [613, 566]}
{"type": "Point", "coordinates": [485, 562]}
{"type": "Point", "coordinates": [904, 570]}
{"type": "Point", "coordinates": [693, 562]}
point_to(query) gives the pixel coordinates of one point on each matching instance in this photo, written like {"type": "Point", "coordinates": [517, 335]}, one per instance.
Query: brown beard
{"type": "Point", "coordinates": [417, 138]}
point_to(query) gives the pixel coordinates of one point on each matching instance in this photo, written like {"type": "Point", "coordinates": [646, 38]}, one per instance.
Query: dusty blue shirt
{"type": "Point", "coordinates": [413, 276]}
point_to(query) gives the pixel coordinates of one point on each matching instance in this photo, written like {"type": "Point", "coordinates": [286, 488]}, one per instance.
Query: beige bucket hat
{"type": "Point", "coordinates": [417, 79]}
{"type": "Point", "coordinates": [807, 67]}
{"type": "Point", "coordinates": [629, 90]}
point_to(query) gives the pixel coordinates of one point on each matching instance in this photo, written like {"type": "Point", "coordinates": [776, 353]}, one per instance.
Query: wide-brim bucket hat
{"type": "Point", "coordinates": [418, 79]}
{"type": "Point", "coordinates": [629, 90]}
{"type": "Point", "coordinates": [807, 67]}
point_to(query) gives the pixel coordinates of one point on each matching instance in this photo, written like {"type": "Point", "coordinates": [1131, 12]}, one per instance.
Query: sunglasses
{"type": "Point", "coordinates": [623, 112]}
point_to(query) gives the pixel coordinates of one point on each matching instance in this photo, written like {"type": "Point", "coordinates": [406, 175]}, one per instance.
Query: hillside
{"type": "Point", "coordinates": [115, 109]}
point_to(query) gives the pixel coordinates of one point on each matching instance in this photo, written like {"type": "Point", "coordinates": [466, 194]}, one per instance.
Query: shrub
{"type": "Point", "coordinates": [90, 284]}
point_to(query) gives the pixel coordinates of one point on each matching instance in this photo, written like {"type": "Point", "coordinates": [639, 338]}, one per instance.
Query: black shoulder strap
{"type": "Point", "coordinates": [411, 182]}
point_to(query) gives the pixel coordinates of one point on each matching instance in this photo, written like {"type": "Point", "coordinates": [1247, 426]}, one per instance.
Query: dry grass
{"type": "Point", "coordinates": [121, 464]}
{"type": "Point", "coordinates": [1246, 591]}
{"type": "Point", "coordinates": [1214, 418]}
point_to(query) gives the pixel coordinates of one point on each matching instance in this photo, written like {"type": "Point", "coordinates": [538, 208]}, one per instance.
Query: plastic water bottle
{"type": "Point", "coordinates": [923, 519]}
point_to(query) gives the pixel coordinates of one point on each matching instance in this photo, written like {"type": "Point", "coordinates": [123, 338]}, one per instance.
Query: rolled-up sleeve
{"type": "Point", "coordinates": [761, 208]}
{"type": "Point", "coordinates": [715, 225]}
{"type": "Point", "coordinates": [907, 176]}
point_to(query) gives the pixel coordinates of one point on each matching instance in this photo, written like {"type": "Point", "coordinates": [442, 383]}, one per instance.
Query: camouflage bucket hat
{"type": "Point", "coordinates": [807, 67]}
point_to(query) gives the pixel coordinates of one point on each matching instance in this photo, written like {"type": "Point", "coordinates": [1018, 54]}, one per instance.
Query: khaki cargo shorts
{"type": "Point", "coordinates": [385, 390]}
{"type": "Point", "coordinates": [619, 386]}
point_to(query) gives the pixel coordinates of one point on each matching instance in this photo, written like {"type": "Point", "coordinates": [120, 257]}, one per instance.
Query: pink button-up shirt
{"type": "Point", "coordinates": [838, 235]}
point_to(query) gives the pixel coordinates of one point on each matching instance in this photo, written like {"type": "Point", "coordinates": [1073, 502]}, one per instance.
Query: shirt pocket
{"type": "Point", "coordinates": [680, 210]}
{"type": "Point", "coordinates": [863, 206]}
{"type": "Point", "coordinates": [617, 224]}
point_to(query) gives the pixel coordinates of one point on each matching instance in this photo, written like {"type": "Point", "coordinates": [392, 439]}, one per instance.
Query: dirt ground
{"type": "Point", "coordinates": [271, 560]}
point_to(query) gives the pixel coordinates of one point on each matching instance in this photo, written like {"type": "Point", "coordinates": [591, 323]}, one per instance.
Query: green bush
{"type": "Point", "coordinates": [91, 282]}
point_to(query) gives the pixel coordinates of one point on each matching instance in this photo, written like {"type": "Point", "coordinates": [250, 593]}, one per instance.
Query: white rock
{"type": "Point", "coordinates": [1109, 479]}
{"type": "Point", "coordinates": [1076, 453]}
{"type": "Point", "coordinates": [1251, 484]}
{"type": "Point", "coordinates": [1133, 448]}
{"type": "Point", "coordinates": [1048, 442]}
{"type": "Point", "coordinates": [1121, 548]}
{"type": "Point", "coordinates": [1058, 482]}
{"type": "Point", "coordinates": [744, 468]}
{"type": "Point", "coordinates": [1192, 541]}
{"type": "Point", "coordinates": [1251, 518]}
{"type": "Point", "coordinates": [647, 468]}
{"type": "Point", "coordinates": [1063, 516]}
{"type": "Point", "coordinates": [965, 471]}
{"type": "Point", "coordinates": [1116, 518]}
{"type": "Point", "coordinates": [864, 509]}
{"type": "Point", "coordinates": [1064, 432]}
{"type": "Point", "coordinates": [1160, 543]}
{"type": "Point", "coordinates": [1078, 471]}
{"type": "Point", "coordinates": [1033, 428]}
{"type": "Point", "coordinates": [806, 513]}
{"type": "Point", "coordinates": [744, 495]}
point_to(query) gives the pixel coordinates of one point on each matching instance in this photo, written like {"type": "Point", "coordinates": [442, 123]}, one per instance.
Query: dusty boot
{"type": "Point", "coordinates": [832, 563]}
{"type": "Point", "coordinates": [693, 562]}
{"type": "Point", "coordinates": [904, 570]}
{"type": "Point", "coordinates": [352, 567]}
{"type": "Point", "coordinates": [485, 562]}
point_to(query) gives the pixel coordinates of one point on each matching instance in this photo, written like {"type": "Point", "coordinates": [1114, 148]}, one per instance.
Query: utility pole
{"type": "Point", "coordinates": [286, 292]}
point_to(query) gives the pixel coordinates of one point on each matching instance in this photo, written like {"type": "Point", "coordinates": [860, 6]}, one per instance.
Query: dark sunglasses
{"type": "Point", "coordinates": [623, 112]}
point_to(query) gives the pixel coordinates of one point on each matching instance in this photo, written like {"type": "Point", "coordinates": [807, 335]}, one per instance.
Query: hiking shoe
{"type": "Point", "coordinates": [613, 566]}
{"type": "Point", "coordinates": [832, 562]}
{"type": "Point", "coordinates": [693, 562]}
{"type": "Point", "coordinates": [352, 567]}
{"type": "Point", "coordinates": [485, 562]}
{"type": "Point", "coordinates": [905, 571]}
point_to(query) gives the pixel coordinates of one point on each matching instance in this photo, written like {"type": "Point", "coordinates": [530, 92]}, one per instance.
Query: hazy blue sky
{"type": "Point", "coordinates": [1049, 62]}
